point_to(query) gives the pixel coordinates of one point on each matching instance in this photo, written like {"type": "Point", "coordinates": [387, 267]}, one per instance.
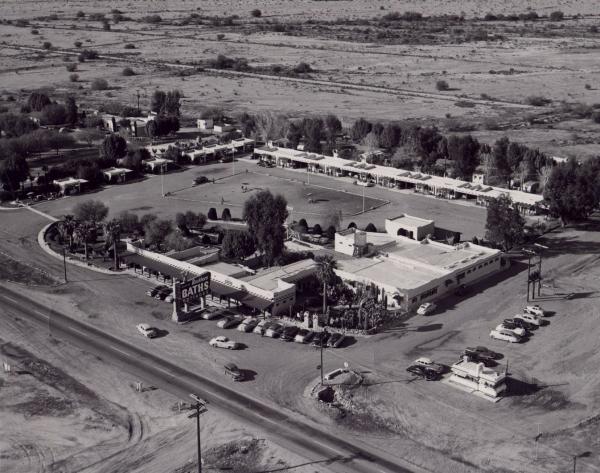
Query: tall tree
{"type": "Point", "coordinates": [360, 129]}
{"type": "Point", "coordinates": [112, 237]}
{"type": "Point", "coordinates": [390, 136]}
{"type": "Point", "coordinates": [13, 171]}
{"type": "Point", "coordinates": [571, 191]}
{"type": "Point", "coordinates": [504, 225]}
{"type": "Point", "coordinates": [333, 127]}
{"type": "Point", "coordinates": [72, 111]}
{"type": "Point", "coordinates": [85, 233]}
{"type": "Point", "coordinates": [37, 101]}
{"type": "Point", "coordinates": [92, 211]}
{"type": "Point", "coordinates": [237, 245]}
{"type": "Point", "coordinates": [313, 134]}
{"type": "Point", "coordinates": [157, 103]}
{"type": "Point", "coordinates": [265, 214]}
{"type": "Point", "coordinates": [464, 151]}
{"type": "Point", "coordinates": [114, 147]}
{"type": "Point", "coordinates": [326, 266]}
{"type": "Point", "coordinates": [501, 165]}
{"type": "Point", "coordinates": [270, 126]}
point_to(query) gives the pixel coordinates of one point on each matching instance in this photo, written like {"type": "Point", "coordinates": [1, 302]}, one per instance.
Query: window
{"type": "Point", "coordinates": [460, 276]}
{"type": "Point", "coordinates": [429, 293]}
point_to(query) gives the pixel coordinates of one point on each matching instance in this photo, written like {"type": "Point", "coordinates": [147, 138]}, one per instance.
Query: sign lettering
{"type": "Point", "coordinates": [194, 288]}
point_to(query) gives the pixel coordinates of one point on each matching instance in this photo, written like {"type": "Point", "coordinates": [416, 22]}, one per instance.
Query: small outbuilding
{"type": "Point", "coordinates": [116, 175]}
{"type": "Point", "coordinates": [70, 185]}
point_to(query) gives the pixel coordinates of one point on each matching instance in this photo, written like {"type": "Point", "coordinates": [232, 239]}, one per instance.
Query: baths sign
{"type": "Point", "coordinates": [194, 288]}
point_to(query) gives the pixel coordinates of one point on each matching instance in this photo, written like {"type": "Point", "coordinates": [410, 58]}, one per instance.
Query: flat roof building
{"type": "Point", "coordinates": [412, 227]}
{"type": "Point", "coordinates": [412, 272]}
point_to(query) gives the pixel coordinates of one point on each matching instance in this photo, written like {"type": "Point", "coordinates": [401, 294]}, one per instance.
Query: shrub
{"type": "Point", "coordinates": [537, 100]}
{"type": "Point", "coordinates": [152, 19]}
{"type": "Point", "coordinates": [129, 46]}
{"type": "Point", "coordinates": [442, 85]}
{"type": "Point", "coordinates": [317, 230]}
{"type": "Point", "coordinates": [35, 32]}
{"type": "Point", "coordinates": [105, 25]}
{"type": "Point", "coordinates": [74, 77]}
{"type": "Point", "coordinates": [77, 44]}
{"type": "Point", "coordinates": [596, 116]}
{"type": "Point", "coordinates": [256, 13]}
{"type": "Point", "coordinates": [99, 84]}
{"type": "Point", "coordinates": [557, 16]}
{"type": "Point", "coordinates": [128, 71]}
{"type": "Point", "coordinates": [226, 214]}
{"type": "Point", "coordinates": [47, 45]}
{"type": "Point", "coordinates": [212, 214]}
{"type": "Point", "coordinates": [370, 228]}
{"type": "Point", "coordinates": [80, 14]}
{"type": "Point", "coordinates": [302, 68]}
{"type": "Point", "coordinates": [588, 87]}
{"type": "Point", "coordinates": [71, 67]}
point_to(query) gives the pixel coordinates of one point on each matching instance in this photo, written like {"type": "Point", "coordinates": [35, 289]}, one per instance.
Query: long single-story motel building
{"type": "Point", "coordinates": [390, 177]}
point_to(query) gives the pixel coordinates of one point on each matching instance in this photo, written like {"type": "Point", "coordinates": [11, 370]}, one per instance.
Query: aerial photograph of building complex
{"type": "Point", "coordinates": [319, 236]}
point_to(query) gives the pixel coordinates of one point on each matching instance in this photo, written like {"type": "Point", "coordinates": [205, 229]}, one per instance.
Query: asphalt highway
{"type": "Point", "coordinates": [327, 449]}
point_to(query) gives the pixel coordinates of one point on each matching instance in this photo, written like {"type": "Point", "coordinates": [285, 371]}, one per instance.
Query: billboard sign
{"type": "Point", "coordinates": [193, 289]}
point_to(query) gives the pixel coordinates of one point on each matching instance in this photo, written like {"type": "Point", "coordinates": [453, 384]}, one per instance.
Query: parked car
{"type": "Point", "coordinates": [304, 336]}
{"type": "Point", "coordinates": [247, 325]}
{"type": "Point", "coordinates": [532, 319]}
{"type": "Point", "coordinates": [505, 335]}
{"type": "Point", "coordinates": [424, 372]}
{"type": "Point", "coordinates": [274, 331]}
{"type": "Point", "coordinates": [224, 342]}
{"type": "Point", "coordinates": [233, 371]}
{"type": "Point", "coordinates": [320, 339]}
{"type": "Point", "coordinates": [461, 290]}
{"type": "Point", "coordinates": [228, 322]}
{"type": "Point", "coordinates": [520, 332]}
{"type": "Point", "coordinates": [289, 333]}
{"type": "Point", "coordinates": [163, 293]}
{"type": "Point", "coordinates": [482, 353]}
{"type": "Point", "coordinates": [428, 363]}
{"type": "Point", "coordinates": [534, 310]}
{"type": "Point", "coordinates": [211, 313]}
{"type": "Point", "coordinates": [169, 299]}
{"type": "Point", "coordinates": [426, 308]}
{"type": "Point", "coordinates": [519, 323]}
{"type": "Point", "coordinates": [200, 180]}
{"type": "Point", "coordinates": [147, 331]}
{"type": "Point", "coordinates": [365, 183]}
{"type": "Point", "coordinates": [262, 327]}
{"type": "Point", "coordinates": [152, 292]}
{"type": "Point", "coordinates": [335, 339]}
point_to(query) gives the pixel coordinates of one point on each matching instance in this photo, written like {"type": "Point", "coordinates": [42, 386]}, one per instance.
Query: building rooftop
{"type": "Point", "coordinates": [410, 221]}
{"type": "Point", "coordinates": [395, 273]}
{"type": "Point", "coordinates": [116, 171]}
{"type": "Point", "coordinates": [227, 269]}
{"type": "Point", "coordinates": [267, 279]}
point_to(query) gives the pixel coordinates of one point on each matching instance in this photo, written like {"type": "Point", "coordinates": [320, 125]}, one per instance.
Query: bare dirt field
{"type": "Point", "coordinates": [550, 59]}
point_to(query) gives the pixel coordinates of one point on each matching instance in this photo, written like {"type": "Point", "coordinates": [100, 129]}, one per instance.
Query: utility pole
{"type": "Point", "coordinates": [65, 263]}
{"type": "Point", "coordinates": [233, 159]}
{"type": "Point", "coordinates": [162, 179]}
{"type": "Point", "coordinates": [363, 199]}
{"type": "Point", "coordinates": [325, 333]}
{"type": "Point", "coordinates": [200, 404]}
{"type": "Point", "coordinates": [138, 100]}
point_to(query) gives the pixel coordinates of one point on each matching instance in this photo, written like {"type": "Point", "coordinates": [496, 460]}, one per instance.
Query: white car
{"type": "Point", "coordinates": [146, 330]}
{"type": "Point", "coordinates": [429, 363]}
{"type": "Point", "coordinates": [534, 310]}
{"type": "Point", "coordinates": [366, 183]}
{"type": "Point", "coordinates": [532, 319]}
{"type": "Point", "coordinates": [426, 308]}
{"type": "Point", "coordinates": [211, 313]}
{"type": "Point", "coordinates": [505, 335]}
{"type": "Point", "coordinates": [519, 331]}
{"type": "Point", "coordinates": [224, 342]}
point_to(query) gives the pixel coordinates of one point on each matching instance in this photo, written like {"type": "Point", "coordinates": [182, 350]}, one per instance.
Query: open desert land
{"type": "Point", "coordinates": [353, 74]}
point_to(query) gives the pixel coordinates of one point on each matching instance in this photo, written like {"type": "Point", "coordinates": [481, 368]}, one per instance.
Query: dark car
{"type": "Point", "coordinates": [482, 354]}
{"type": "Point", "coordinates": [200, 180]}
{"type": "Point", "coordinates": [261, 164]}
{"type": "Point", "coordinates": [423, 372]}
{"type": "Point", "coordinates": [289, 333]}
{"type": "Point", "coordinates": [233, 371]}
{"type": "Point", "coordinates": [320, 339]}
{"type": "Point", "coordinates": [152, 292]}
{"type": "Point", "coordinates": [461, 290]}
{"type": "Point", "coordinates": [518, 323]}
{"type": "Point", "coordinates": [335, 340]}
{"type": "Point", "coordinates": [163, 293]}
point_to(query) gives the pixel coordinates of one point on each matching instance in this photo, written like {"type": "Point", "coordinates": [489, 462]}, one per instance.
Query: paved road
{"type": "Point", "coordinates": [301, 437]}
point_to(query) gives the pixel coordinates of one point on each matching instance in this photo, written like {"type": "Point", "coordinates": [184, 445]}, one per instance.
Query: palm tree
{"type": "Point", "coordinates": [85, 233]}
{"type": "Point", "coordinates": [66, 228]}
{"type": "Point", "coordinates": [112, 236]}
{"type": "Point", "coordinates": [326, 265]}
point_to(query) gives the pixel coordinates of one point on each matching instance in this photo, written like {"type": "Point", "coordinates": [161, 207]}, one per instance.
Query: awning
{"type": "Point", "coordinates": [250, 300]}
{"type": "Point", "coordinates": [152, 265]}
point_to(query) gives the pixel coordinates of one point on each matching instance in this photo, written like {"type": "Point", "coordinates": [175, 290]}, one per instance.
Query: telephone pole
{"type": "Point", "coordinates": [200, 406]}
